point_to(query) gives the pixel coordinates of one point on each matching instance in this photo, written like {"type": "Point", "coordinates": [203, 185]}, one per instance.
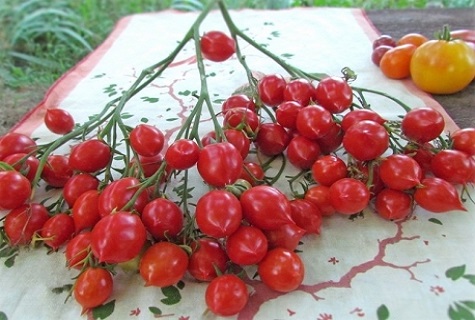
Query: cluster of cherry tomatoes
{"type": "Point", "coordinates": [351, 157]}
{"type": "Point", "coordinates": [440, 66]}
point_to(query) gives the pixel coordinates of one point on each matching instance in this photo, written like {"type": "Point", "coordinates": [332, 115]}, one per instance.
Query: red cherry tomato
{"type": "Point", "coordinates": [422, 124]}
{"type": "Point", "coordinates": [207, 256]}
{"type": "Point", "coordinates": [217, 46]}
{"type": "Point", "coordinates": [271, 89]}
{"type": "Point", "coordinates": [59, 121]}
{"type": "Point", "coordinates": [253, 173]}
{"type": "Point", "coordinates": [303, 152]}
{"type": "Point", "coordinates": [238, 101]}
{"type": "Point", "coordinates": [328, 169]}
{"type": "Point", "coordinates": [306, 215]}
{"type": "Point", "coordinates": [358, 115]}
{"type": "Point", "coordinates": [334, 94]}
{"type": "Point", "coordinates": [247, 246]}
{"type": "Point", "coordinates": [23, 163]}
{"type": "Point", "coordinates": [23, 222]}
{"type": "Point", "coordinates": [320, 196]}
{"type": "Point", "coordinates": [453, 166]}
{"type": "Point", "coordinates": [281, 270]}
{"type": "Point", "coordinates": [15, 189]}
{"type": "Point", "coordinates": [163, 264]}
{"type": "Point", "coordinates": [77, 250]}
{"type": "Point", "coordinates": [393, 204]}
{"type": "Point", "coordinates": [300, 90]}
{"type": "Point", "coordinates": [85, 211]}
{"type": "Point", "coordinates": [77, 185]}
{"type": "Point", "coordinates": [146, 140]}
{"type": "Point", "coordinates": [162, 218]}
{"type": "Point", "coordinates": [57, 230]}
{"type": "Point", "coordinates": [286, 114]}
{"type": "Point", "coordinates": [57, 171]}
{"type": "Point", "coordinates": [366, 140]}
{"type": "Point", "coordinates": [314, 121]}
{"type": "Point", "coordinates": [241, 119]}
{"type": "Point", "coordinates": [226, 295]}
{"type": "Point", "coordinates": [349, 196]}
{"type": "Point", "coordinates": [182, 154]}
{"type": "Point", "coordinates": [93, 287]}
{"type": "Point", "coordinates": [464, 140]}
{"type": "Point", "coordinates": [400, 172]}
{"type": "Point", "coordinates": [90, 156]}
{"type": "Point", "coordinates": [286, 236]}
{"type": "Point", "coordinates": [438, 196]}
{"type": "Point", "coordinates": [272, 139]}
{"type": "Point", "coordinates": [331, 141]}
{"type": "Point", "coordinates": [118, 193]}
{"type": "Point", "coordinates": [13, 142]}
{"type": "Point", "coordinates": [384, 39]}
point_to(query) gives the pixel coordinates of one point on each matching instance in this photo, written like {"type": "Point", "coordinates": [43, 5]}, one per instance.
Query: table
{"type": "Point", "coordinates": [363, 268]}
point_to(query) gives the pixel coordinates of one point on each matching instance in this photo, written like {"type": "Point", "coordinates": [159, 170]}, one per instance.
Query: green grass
{"type": "Point", "coordinates": [41, 39]}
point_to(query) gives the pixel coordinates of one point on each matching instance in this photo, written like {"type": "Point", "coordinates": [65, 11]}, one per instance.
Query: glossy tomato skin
{"type": "Point", "coordinates": [118, 237]}
{"type": "Point", "coordinates": [438, 196]}
{"type": "Point", "coordinates": [226, 295]}
{"type": "Point", "coordinates": [453, 166]}
{"type": "Point", "coordinates": [384, 39]}
{"type": "Point", "coordinates": [93, 287]}
{"type": "Point", "coordinates": [85, 211]}
{"type": "Point", "coordinates": [13, 142]}
{"type": "Point", "coordinates": [220, 164]}
{"type": "Point", "coordinates": [464, 140]}
{"type": "Point", "coordinates": [400, 172]}
{"type": "Point", "coordinates": [358, 115]}
{"type": "Point", "coordinates": [77, 185]}
{"type": "Point", "coordinates": [15, 189]}
{"type": "Point", "coordinates": [393, 204]}
{"type": "Point", "coordinates": [422, 124]}
{"type": "Point", "coordinates": [266, 207]}
{"type": "Point", "coordinates": [443, 67]}
{"type": "Point", "coordinates": [218, 213]}
{"type": "Point", "coordinates": [300, 90]}
{"type": "Point", "coordinates": [77, 250]}
{"type": "Point", "coordinates": [238, 101]}
{"type": "Point", "coordinates": [118, 193]}
{"type": "Point", "coordinates": [334, 94]}
{"type": "Point", "coordinates": [23, 222]}
{"type": "Point", "coordinates": [281, 270]}
{"type": "Point", "coordinates": [396, 62]}
{"type": "Point", "coordinates": [314, 122]}
{"type": "Point", "coordinates": [320, 196]}
{"type": "Point", "coordinates": [242, 119]}
{"type": "Point", "coordinates": [306, 215]}
{"type": "Point", "coordinates": [286, 236]}
{"type": "Point", "coordinates": [247, 246]}
{"type": "Point", "coordinates": [207, 256]}
{"type": "Point", "coordinates": [57, 171]}
{"type": "Point", "coordinates": [146, 140]}
{"type": "Point", "coordinates": [163, 264]}
{"type": "Point", "coordinates": [90, 156]}
{"type": "Point", "coordinates": [239, 140]}
{"type": "Point", "coordinates": [253, 173]}
{"type": "Point", "coordinates": [349, 196]}
{"type": "Point", "coordinates": [182, 154]}
{"type": "Point", "coordinates": [303, 152]}
{"type": "Point", "coordinates": [217, 46]}
{"type": "Point", "coordinates": [59, 121]}
{"type": "Point", "coordinates": [162, 218]}
{"type": "Point", "coordinates": [57, 230]}
{"type": "Point", "coordinates": [378, 53]}
{"type": "Point", "coordinates": [328, 169]}
{"type": "Point", "coordinates": [271, 89]}
{"type": "Point", "coordinates": [23, 163]}
{"type": "Point", "coordinates": [272, 139]}
{"type": "Point", "coordinates": [366, 140]}
{"type": "Point", "coordinates": [286, 114]}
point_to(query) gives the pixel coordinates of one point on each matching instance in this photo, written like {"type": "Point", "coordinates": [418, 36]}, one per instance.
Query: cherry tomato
{"type": "Point", "coordinates": [118, 193]}
{"type": "Point", "coordinates": [438, 196]}
{"type": "Point", "coordinates": [422, 153]}
{"type": "Point", "coordinates": [15, 189]}
{"type": "Point", "coordinates": [162, 218]}
{"type": "Point", "coordinates": [400, 172]}
{"type": "Point", "coordinates": [393, 204]}
{"type": "Point", "coordinates": [150, 166]}
{"type": "Point", "coordinates": [163, 264]}
{"type": "Point", "coordinates": [118, 237]}
{"type": "Point", "coordinates": [266, 207]}
{"type": "Point", "coordinates": [247, 246]}
{"type": "Point", "coordinates": [57, 171]}
{"type": "Point", "coordinates": [23, 222]}
{"type": "Point", "coordinates": [422, 124]}
{"type": "Point", "coordinates": [286, 114]}
{"type": "Point", "coordinates": [13, 142]}
{"type": "Point", "coordinates": [85, 211]}
{"type": "Point", "coordinates": [412, 38]}
{"type": "Point", "coordinates": [241, 119]}
{"type": "Point", "coordinates": [453, 166]}
{"type": "Point", "coordinates": [334, 94]}
{"type": "Point", "coordinates": [93, 287]}
{"type": "Point", "coordinates": [90, 156]}
{"type": "Point", "coordinates": [146, 140]}
{"type": "Point", "coordinates": [218, 213]}
{"type": "Point", "coordinates": [281, 270]}
{"type": "Point", "coordinates": [366, 133]}
{"type": "Point", "coordinates": [23, 163]}
{"type": "Point", "coordinates": [220, 164]}
{"type": "Point", "coordinates": [320, 196]}
{"type": "Point", "coordinates": [238, 101]}
{"type": "Point", "coordinates": [77, 185]}
{"type": "Point", "coordinates": [358, 115]}
{"type": "Point", "coordinates": [464, 140]}
{"type": "Point", "coordinates": [226, 295]}
{"type": "Point", "coordinates": [306, 215]}
{"type": "Point", "coordinates": [443, 66]}
{"type": "Point", "coordinates": [57, 230]}
{"type": "Point", "coordinates": [378, 53]}
{"type": "Point", "coordinates": [182, 154]}
{"type": "Point", "coordinates": [349, 196]}
{"type": "Point", "coordinates": [286, 236]}
{"type": "Point", "coordinates": [384, 39]}
{"type": "Point", "coordinates": [303, 152]}
{"type": "Point", "coordinates": [252, 172]}
{"type": "Point", "coordinates": [300, 90]}
{"type": "Point", "coordinates": [77, 250]}
{"type": "Point", "coordinates": [328, 169]}
{"type": "Point", "coordinates": [217, 46]}
{"type": "Point", "coordinates": [396, 62]}
{"type": "Point", "coordinates": [272, 139]}
{"type": "Point", "coordinates": [314, 122]}
{"type": "Point", "coordinates": [271, 89]}
{"type": "Point", "coordinates": [332, 140]}
{"type": "Point", "coordinates": [207, 256]}
{"type": "Point", "coordinates": [59, 121]}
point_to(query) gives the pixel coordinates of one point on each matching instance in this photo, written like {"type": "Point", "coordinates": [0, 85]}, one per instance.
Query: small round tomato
{"type": "Point", "coordinates": [272, 139]}
{"type": "Point", "coordinates": [453, 166]}
{"type": "Point", "coordinates": [422, 124]}
{"type": "Point", "coordinates": [306, 215]}
{"type": "Point", "coordinates": [443, 66]}
{"type": "Point", "coordinates": [218, 213]}
{"type": "Point", "coordinates": [396, 62]}
{"type": "Point", "coordinates": [220, 164]}
{"type": "Point", "coordinates": [271, 89]}
{"type": "Point", "coordinates": [332, 140]}
{"type": "Point", "coordinates": [384, 39]}
{"type": "Point", "coordinates": [437, 195]}
{"type": "Point", "coordinates": [57, 171]}
{"type": "Point", "coordinates": [146, 140]}
{"type": "Point", "coordinates": [85, 211]}
{"type": "Point", "coordinates": [393, 204]}
{"type": "Point", "coordinates": [163, 218]}
{"type": "Point", "coordinates": [366, 140]}
{"type": "Point", "coordinates": [286, 114]}
{"type": "Point", "coordinates": [400, 172]}
{"type": "Point", "coordinates": [314, 121]}
{"type": "Point", "coordinates": [241, 119]}
{"type": "Point", "coordinates": [117, 194]}
{"type": "Point", "coordinates": [328, 169]}
{"type": "Point", "coordinates": [15, 189]}
{"type": "Point", "coordinates": [13, 142]}
{"type": "Point", "coordinates": [77, 185]}
{"type": "Point", "coordinates": [247, 246]}
{"type": "Point", "coordinates": [300, 90]}
{"type": "Point", "coordinates": [226, 295]}
{"type": "Point", "coordinates": [349, 196]}
{"type": "Point", "coordinates": [23, 163]}
{"type": "Point", "coordinates": [281, 270]}
{"type": "Point", "coordinates": [23, 222]}
{"type": "Point", "coordinates": [320, 196]}
{"type": "Point", "coordinates": [90, 156]}
{"type": "Point", "coordinates": [163, 264]}
{"type": "Point", "coordinates": [334, 94]}
{"type": "Point", "coordinates": [93, 287]}
{"type": "Point", "coordinates": [59, 121]}
{"type": "Point", "coordinates": [217, 46]}
{"type": "Point", "coordinates": [412, 38]}
{"type": "Point", "coordinates": [286, 236]}
{"type": "Point", "coordinates": [57, 230]}
{"type": "Point", "coordinates": [378, 53]}
{"type": "Point", "coordinates": [303, 152]}
{"type": "Point", "coordinates": [206, 259]}
{"type": "Point", "coordinates": [238, 101]}
{"type": "Point", "coordinates": [77, 250]}
{"type": "Point", "coordinates": [182, 154]}
{"type": "Point", "coordinates": [358, 115]}
{"type": "Point", "coordinates": [464, 140]}
{"type": "Point", "coordinates": [252, 172]}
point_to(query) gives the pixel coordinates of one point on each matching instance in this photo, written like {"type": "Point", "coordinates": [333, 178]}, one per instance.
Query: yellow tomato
{"type": "Point", "coordinates": [443, 66]}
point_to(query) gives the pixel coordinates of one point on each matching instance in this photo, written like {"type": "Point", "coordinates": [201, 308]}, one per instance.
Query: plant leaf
{"type": "Point", "coordinates": [3, 316]}
{"type": "Point", "coordinates": [155, 310]}
{"type": "Point", "coordinates": [455, 273]}
{"type": "Point", "coordinates": [436, 221]}
{"type": "Point", "coordinates": [382, 312]}
{"type": "Point", "coordinates": [470, 278]}
{"type": "Point", "coordinates": [103, 311]}
{"type": "Point", "coordinates": [172, 295]}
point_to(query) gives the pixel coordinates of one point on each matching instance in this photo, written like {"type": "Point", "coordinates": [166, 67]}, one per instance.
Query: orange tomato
{"type": "Point", "coordinates": [395, 63]}
{"type": "Point", "coordinates": [412, 38]}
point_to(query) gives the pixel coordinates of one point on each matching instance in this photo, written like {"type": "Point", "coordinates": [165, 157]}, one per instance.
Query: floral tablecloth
{"type": "Point", "coordinates": [366, 268]}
